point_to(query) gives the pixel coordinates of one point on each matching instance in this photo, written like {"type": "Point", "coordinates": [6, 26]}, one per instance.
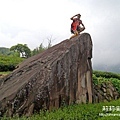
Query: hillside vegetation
{"type": "Point", "coordinates": [8, 63]}
{"type": "Point", "coordinates": [101, 77]}
{"type": "Point", "coordinates": [5, 51]}
{"type": "Point", "coordinates": [78, 112]}
{"type": "Point", "coordinates": [11, 57]}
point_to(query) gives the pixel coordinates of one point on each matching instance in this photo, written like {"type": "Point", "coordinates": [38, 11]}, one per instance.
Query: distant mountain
{"type": "Point", "coordinates": [114, 69]}
{"type": "Point", "coordinates": [5, 51]}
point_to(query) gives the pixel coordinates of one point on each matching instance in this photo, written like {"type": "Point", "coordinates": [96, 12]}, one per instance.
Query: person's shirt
{"type": "Point", "coordinates": [76, 22]}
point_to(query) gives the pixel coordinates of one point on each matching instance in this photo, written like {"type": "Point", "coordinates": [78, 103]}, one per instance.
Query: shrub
{"type": "Point", "coordinates": [8, 63]}
{"type": "Point", "coordinates": [101, 77]}
{"type": "Point", "coordinates": [106, 74]}
{"type": "Point", "coordinates": [75, 112]}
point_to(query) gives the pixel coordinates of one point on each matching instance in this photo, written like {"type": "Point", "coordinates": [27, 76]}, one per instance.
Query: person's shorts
{"type": "Point", "coordinates": [76, 31]}
{"type": "Point", "coordinates": [78, 28]}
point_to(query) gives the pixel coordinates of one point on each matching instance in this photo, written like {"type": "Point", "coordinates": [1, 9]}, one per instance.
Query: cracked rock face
{"type": "Point", "coordinates": [105, 92]}
{"type": "Point", "coordinates": [61, 74]}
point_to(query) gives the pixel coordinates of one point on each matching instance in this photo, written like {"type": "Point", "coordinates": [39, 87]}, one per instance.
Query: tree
{"type": "Point", "coordinates": [50, 39]}
{"type": "Point", "coordinates": [35, 51]}
{"type": "Point", "coordinates": [38, 49]}
{"type": "Point", "coordinates": [41, 48]}
{"type": "Point", "coordinates": [22, 49]}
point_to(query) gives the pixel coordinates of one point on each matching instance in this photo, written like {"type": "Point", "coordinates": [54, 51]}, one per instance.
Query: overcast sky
{"type": "Point", "coordinates": [33, 22]}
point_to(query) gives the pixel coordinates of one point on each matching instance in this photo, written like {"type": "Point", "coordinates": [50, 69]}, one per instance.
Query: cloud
{"type": "Point", "coordinates": [46, 18]}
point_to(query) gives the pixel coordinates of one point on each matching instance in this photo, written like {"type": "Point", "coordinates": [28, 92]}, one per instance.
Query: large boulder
{"type": "Point", "coordinates": [60, 75]}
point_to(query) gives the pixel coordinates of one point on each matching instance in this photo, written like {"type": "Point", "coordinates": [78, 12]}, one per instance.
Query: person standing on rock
{"type": "Point", "coordinates": [75, 26]}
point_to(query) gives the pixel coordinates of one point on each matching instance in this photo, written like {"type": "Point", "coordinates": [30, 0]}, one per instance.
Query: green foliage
{"type": "Point", "coordinates": [5, 73]}
{"type": "Point", "coordinates": [105, 77]}
{"type": "Point", "coordinates": [76, 112]}
{"type": "Point", "coordinates": [8, 63]}
{"type": "Point", "coordinates": [106, 74]}
{"type": "Point", "coordinates": [39, 49]}
{"type": "Point", "coordinates": [23, 49]}
{"type": "Point", "coordinates": [6, 51]}
{"type": "Point", "coordinates": [9, 58]}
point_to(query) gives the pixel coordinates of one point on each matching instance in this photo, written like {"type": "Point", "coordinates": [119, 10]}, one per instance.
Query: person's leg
{"type": "Point", "coordinates": [75, 34]}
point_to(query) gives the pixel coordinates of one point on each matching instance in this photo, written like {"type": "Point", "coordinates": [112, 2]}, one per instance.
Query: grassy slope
{"type": "Point", "coordinates": [101, 77]}
{"type": "Point", "coordinates": [77, 112]}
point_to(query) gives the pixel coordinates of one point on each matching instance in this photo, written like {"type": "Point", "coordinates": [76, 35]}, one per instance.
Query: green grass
{"type": "Point", "coordinates": [106, 74]}
{"type": "Point", "coordinates": [8, 63]}
{"type": "Point", "coordinates": [76, 112]}
{"type": "Point", "coordinates": [5, 73]}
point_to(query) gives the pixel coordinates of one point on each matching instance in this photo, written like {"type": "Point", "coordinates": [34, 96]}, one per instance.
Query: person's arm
{"type": "Point", "coordinates": [83, 27]}
{"type": "Point", "coordinates": [72, 18]}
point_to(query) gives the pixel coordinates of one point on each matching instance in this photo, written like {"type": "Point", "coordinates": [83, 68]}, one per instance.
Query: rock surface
{"type": "Point", "coordinates": [60, 75]}
{"type": "Point", "coordinates": [105, 92]}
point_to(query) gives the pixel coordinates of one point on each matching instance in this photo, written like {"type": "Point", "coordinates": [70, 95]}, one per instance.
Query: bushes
{"type": "Point", "coordinates": [105, 77]}
{"type": "Point", "coordinates": [106, 74]}
{"type": "Point", "coordinates": [8, 63]}
{"type": "Point", "coordinates": [76, 112]}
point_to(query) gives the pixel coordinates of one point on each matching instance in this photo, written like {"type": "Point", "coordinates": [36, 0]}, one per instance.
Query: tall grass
{"type": "Point", "coordinates": [76, 112]}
